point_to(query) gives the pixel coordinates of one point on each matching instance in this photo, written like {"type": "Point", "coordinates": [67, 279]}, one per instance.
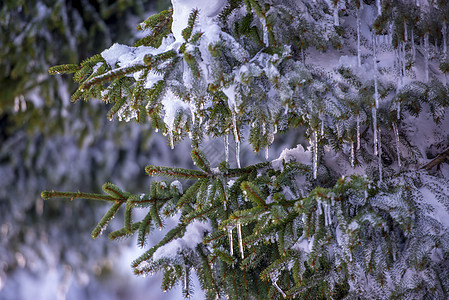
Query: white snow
{"type": "Point", "coordinates": [116, 53]}
{"type": "Point", "coordinates": [193, 236]}
{"type": "Point", "coordinates": [172, 105]}
{"type": "Point", "coordinates": [177, 185]}
{"type": "Point", "coordinates": [297, 154]}
{"type": "Point", "coordinates": [207, 11]}
{"type": "Point", "coordinates": [304, 244]}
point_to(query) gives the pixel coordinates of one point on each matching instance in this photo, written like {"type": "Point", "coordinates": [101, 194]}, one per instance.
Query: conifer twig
{"type": "Point", "coordinates": [73, 195]}
{"type": "Point", "coordinates": [442, 157]}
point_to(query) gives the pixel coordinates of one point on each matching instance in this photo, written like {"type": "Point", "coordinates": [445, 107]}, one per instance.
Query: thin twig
{"type": "Point", "coordinates": [442, 157]}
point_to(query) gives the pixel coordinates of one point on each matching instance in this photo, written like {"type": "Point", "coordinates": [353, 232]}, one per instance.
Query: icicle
{"type": "Point", "coordinates": [275, 129]}
{"type": "Point", "coordinates": [359, 51]}
{"type": "Point", "coordinates": [352, 154]}
{"type": "Point", "coordinates": [279, 289]}
{"type": "Point", "coordinates": [358, 132]}
{"type": "Point", "coordinates": [426, 55]}
{"type": "Point", "coordinates": [322, 125]}
{"type": "Point", "coordinates": [170, 136]}
{"type": "Point", "coordinates": [237, 153]}
{"type": "Point", "coordinates": [379, 157]}
{"type": "Point", "coordinates": [237, 140]}
{"type": "Point", "coordinates": [403, 63]}
{"type": "Point", "coordinates": [379, 7]}
{"type": "Point", "coordinates": [328, 214]}
{"type": "Point", "coordinates": [398, 110]}
{"type": "Point", "coordinates": [266, 153]}
{"type": "Point", "coordinates": [239, 234]}
{"type": "Point", "coordinates": [374, 111]}
{"type": "Point", "coordinates": [226, 144]}
{"type": "Point", "coordinates": [376, 94]}
{"type": "Point", "coordinates": [266, 41]}
{"type": "Point", "coordinates": [201, 112]}
{"type": "Point", "coordinates": [318, 208]}
{"type": "Point", "coordinates": [231, 244]}
{"type": "Point", "coordinates": [336, 20]}
{"type": "Point", "coordinates": [396, 134]}
{"type": "Point", "coordinates": [315, 155]}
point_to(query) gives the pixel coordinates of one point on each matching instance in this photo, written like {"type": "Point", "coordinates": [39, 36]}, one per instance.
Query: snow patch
{"type": "Point", "coordinates": [297, 154]}
{"type": "Point", "coordinates": [193, 236]}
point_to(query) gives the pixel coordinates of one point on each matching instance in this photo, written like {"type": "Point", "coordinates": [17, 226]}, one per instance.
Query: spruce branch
{"type": "Point", "coordinates": [63, 69]}
{"type": "Point", "coordinates": [46, 195]}
{"type": "Point", "coordinates": [200, 160]}
{"type": "Point", "coordinates": [124, 232]}
{"type": "Point", "coordinates": [144, 230]}
{"type": "Point", "coordinates": [171, 235]}
{"type": "Point", "coordinates": [187, 32]}
{"type": "Point", "coordinates": [174, 172]}
{"type": "Point", "coordinates": [156, 20]}
{"type": "Point", "coordinates": [115, 191]}
{"type": "Point", "coordinates": [128, 215]}
{"type": "Point", "coordinates": [252, 192]}
{"type": "Point", "coordinates": [116, 73]}
{"type": "Point", "coordinates": [105, 220]}
{"type": "Point", "coordinates": [191, 192]}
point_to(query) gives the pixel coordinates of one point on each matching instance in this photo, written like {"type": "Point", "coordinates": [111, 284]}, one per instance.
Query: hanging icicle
{"type": "Point", "coordinates": [236, 139]}
{"type": "Point", "coordinates": [358, 132]}
{"type": "Point", "coordinates": [322, 124]}
{"type": "Point", "coordinates": [231, 244]}
{"type": "Point", "coordinates": [266, 40]}
{"type": "Point", "coordinates": [396, 134]}
{"type": "Point", "coordinates": [403, 64]}
{"type": "Point", "coordinates": [186, 282]}
{"type": "Point", "coordinates": [374, 112]}
{"type": "Point", "coordinates": [239, 234]}
{"type": "Point", "coordinates": [376, 95]}
{"type": "Point", "coordinates": [379, 157]}
{"type": "Point", "coordinates": [352, 154]}
{"type": "Point", "coordinates": [226, 145]}
{"type": "Point", "coordinates": [201, 112]}
{"type": "Point", "coordinates": [278, 288]}
{"type": "Point", "coordinates": [170, 136]}
{"type": "Point", "coordinates": [237, 153]}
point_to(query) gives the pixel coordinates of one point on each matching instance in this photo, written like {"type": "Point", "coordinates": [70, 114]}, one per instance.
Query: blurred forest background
{"type": "Point", "coordinates": [46, 142]}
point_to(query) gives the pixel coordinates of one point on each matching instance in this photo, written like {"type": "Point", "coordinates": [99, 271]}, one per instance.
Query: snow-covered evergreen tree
{"type": "Point", "coordinates": [359, 208]}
